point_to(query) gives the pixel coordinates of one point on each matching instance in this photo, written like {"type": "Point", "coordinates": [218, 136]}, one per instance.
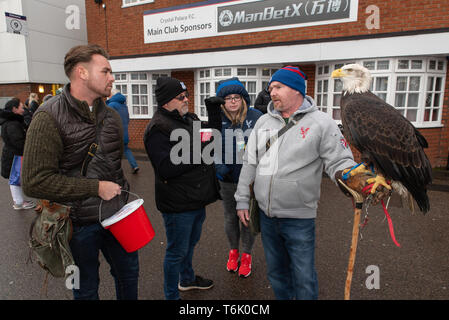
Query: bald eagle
{"type": "Point", "coordinates": [384, 137]}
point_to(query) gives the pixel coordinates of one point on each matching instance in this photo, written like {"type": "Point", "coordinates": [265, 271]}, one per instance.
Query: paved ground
{"type": "Point", "coordinates": [419, 269]}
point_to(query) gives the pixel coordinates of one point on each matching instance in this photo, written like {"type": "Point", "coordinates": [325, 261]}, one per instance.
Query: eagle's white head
{"type": "Point", "coordinates": [355, 78]}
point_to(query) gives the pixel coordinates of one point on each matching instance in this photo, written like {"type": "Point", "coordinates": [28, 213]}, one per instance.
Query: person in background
{"type": "Point", "coordinates": [117, 101]}
{"type": "Point", "coordinates": [262, 100]}
{"type": "Point", "coordinates": [238, 119]}
{"type": "Point", "coordinates": [182, 189]}
{"type": "Point", "coordinates": [13, 134]}
{"type": "Point", "coordinates": [33, 102]}
{"type": "Point", "coordinates": [31, 105]}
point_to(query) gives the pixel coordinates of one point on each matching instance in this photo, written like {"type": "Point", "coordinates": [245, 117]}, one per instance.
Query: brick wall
{"type": "Point", "coordinates": [18, 90]}
{"type": "Point", "coordinates": [136, 129]}
{"type": "Point", "coordinates": [395, 16]}
{"type": "Point", "coordinates": [23, 90]}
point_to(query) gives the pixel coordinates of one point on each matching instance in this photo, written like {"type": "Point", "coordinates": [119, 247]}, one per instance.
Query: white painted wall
{"type": "Point", "coordinates": [13, 58]}
{"type": "Point", "coordinates": [416, 45]}
{"type": "Point", "coordinates": [39, 57]}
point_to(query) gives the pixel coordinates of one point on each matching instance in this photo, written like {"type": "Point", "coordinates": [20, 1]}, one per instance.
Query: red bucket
{"type": "Point", "coordinates": [131, 226]}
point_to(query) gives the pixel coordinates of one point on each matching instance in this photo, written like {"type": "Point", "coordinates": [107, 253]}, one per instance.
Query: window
{"type": "Point", "coordinates": [123, 88]}
{"type": "Point", "coordinates": [413, 85]}
{"type": "Point", "coordinates": [129, 3]}
{"type": "Point", "coordinates": [120, 76]}
{"type": "Point", "coordinates": [204, 94]}
{"type": "Point", "coordinates": [336, 95]}
{"type": "Point", "coordinates": [154, 77]}
{"type": "Point", "coordinates": [323, 70]}
{"type": "Point", "coordinates": [138, 88]}
{"type": "Point", "coordinates": [322, 87]}
{"type": "Point", "coordinates": [251, 87]}
{"type": "Point", "coordinates": [205, 86]}
{"type": "Point", "coordinates": [139, 96]}
{"type": "Point", "coordinates": [336, 90]}
{"type": "Point", "coordinates": [373, 65]}
{"type": "Point", "coordinates": [321, 94]}
{"type": "Point", "coordinates": [407, 96]}
{"type": "Point", "coordinates": [410, 65]}
{"type": "Point", "coordinates": [267, 72]}
{"type": "Point", "coordinates": [379, 86]}
{"type": "Point", "coordinates": [434, 97]}
{"type": "Point", "coordinates": [436, 65]}
{"type": "Point", "coordinates": [206, 82]}
{"type": "Point", "coordinates": [219, 72]}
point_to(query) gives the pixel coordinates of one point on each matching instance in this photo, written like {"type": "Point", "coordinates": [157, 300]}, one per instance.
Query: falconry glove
{"type": "Point", "coordinates": [362, 182]}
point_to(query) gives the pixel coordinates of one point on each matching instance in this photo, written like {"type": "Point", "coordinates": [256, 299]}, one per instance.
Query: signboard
{"type": "Point", "coordinates": [16, 24]}
{"type": "Point", "coordinates": [220, 17]}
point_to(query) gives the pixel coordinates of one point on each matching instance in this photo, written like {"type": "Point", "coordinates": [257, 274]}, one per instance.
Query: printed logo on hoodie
{"type": "Point", "coordinates": [343, 143]}
{"type": "Point", "coordinates": [304, 132]}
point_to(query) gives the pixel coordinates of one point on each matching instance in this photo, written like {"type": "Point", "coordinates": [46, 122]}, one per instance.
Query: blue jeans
{"type": "Point", "coordinates": [129, 156]}
{"type": "Point", "coordinates": [86, 243]}
{"type": "Point", "coordinates": [183, 232]}
{"type": "Point", "coordinates": [289, 246]}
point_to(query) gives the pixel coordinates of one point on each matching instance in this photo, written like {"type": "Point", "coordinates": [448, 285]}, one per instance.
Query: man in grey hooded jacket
{"type": "Point", "coordinates": [287, 181]}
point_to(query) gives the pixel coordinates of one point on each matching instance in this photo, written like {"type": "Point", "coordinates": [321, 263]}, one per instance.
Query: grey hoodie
{"type": "Point", "coordinates": [287, 178]}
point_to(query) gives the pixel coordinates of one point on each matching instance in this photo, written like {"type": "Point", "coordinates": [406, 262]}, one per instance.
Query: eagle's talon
{"type": "Point", "coordinates": [378, 181]}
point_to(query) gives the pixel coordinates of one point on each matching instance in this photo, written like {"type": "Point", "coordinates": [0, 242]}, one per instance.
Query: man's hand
{"type": "Point", "coordinates": [244, 216]}
{"type": "Point", "coordinates": [108, 190]}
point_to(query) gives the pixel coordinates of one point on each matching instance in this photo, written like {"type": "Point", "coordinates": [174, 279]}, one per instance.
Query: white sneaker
{"type": "Point", "coordinates": [24, 205]}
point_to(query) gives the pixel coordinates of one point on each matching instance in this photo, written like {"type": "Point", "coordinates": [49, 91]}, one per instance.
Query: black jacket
{"type": "Point", "coordinates": [185, 186]}
{"type": "Point", "coordinates": [13, 134]}
{"type": "Point", "coordinates": [29, 112]}
{"type": "Point", "coordinates": [262, 101]}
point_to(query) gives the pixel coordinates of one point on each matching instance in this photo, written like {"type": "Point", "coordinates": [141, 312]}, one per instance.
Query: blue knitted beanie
{"type": "Point", "coordinates": [232, 86]}
{"type": "Point", "coordinates": [292, 77]}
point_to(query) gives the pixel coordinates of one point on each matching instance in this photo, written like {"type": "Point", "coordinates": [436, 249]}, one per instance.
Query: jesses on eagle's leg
{"type": "Point", "coordinates": [378, 180]}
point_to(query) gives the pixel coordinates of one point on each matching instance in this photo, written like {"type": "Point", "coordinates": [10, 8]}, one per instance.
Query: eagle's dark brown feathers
{"type": "Point", "coordinates": [389, 141]}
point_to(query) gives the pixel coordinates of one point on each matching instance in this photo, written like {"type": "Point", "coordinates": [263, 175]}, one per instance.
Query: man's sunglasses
{"type": "Point", "coordinates": [182, 96]}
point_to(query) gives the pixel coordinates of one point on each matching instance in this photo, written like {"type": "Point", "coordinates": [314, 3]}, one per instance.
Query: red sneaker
{"type": "Point", "coordinates": [245, 265]}
{"type": "Point", "coordinates": [233, 261]}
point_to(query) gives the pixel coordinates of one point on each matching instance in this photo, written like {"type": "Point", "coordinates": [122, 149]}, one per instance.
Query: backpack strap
{"type": "Point", "coordinates": [283, 130]}
{"type": "Point", "coordinates": [90, 154]}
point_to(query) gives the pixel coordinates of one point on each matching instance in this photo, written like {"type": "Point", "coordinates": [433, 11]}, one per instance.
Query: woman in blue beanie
{"type": "Point", "coordinates": [237, 123]}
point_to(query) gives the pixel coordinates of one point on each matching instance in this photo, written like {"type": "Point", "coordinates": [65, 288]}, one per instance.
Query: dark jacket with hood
{"type": "Point", "coordinates": [118, 103]}
{"type": "Point", "coordinates": [262, 101]}
{"type": "Point", "coordinates": [13, 134]}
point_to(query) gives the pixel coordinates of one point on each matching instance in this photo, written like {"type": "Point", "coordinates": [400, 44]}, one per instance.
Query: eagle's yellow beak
{"type": "Point", "coordinates": [338, 73]}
